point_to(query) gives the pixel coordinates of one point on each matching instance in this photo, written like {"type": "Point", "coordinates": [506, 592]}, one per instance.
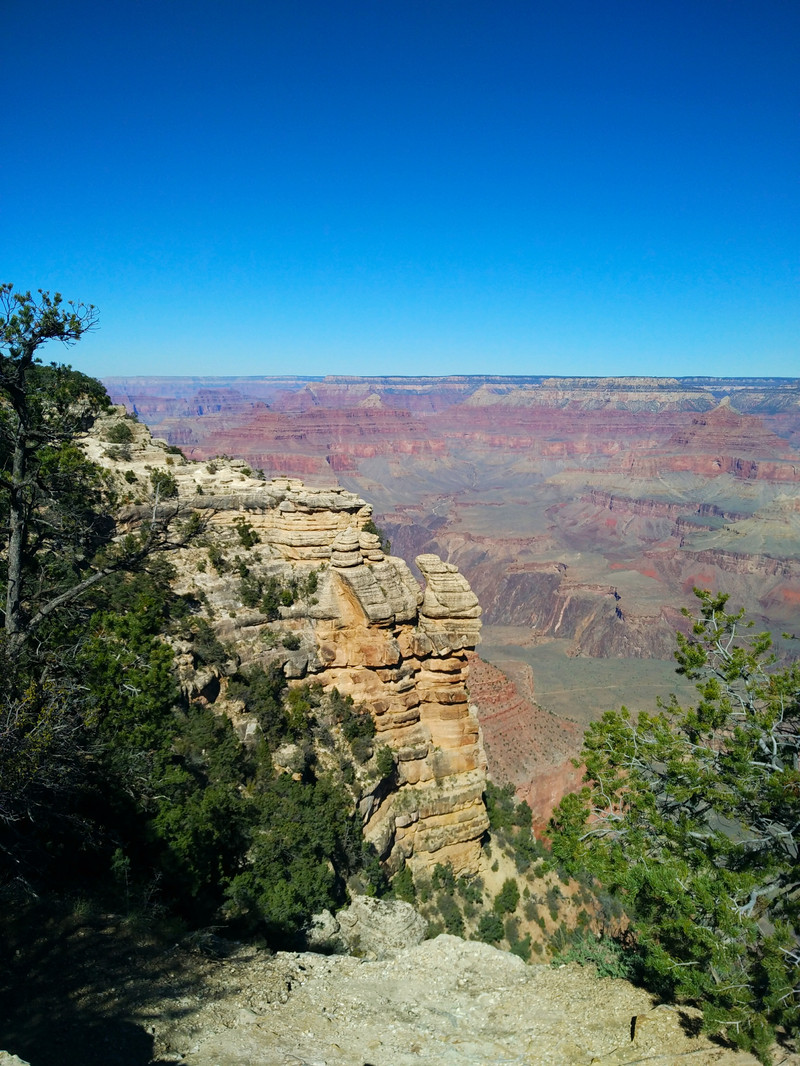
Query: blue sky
{"type": "Point", "coordinates": [409, 186]}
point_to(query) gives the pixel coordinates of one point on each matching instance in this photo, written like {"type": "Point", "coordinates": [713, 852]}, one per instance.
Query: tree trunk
{"type": "Point", "coordinates": [16, 542]}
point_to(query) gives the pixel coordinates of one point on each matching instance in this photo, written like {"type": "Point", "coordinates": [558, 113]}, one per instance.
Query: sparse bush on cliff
{"type": "Point", "coordinates": [470, 889]}
{"type": "Point", "coordinates": [119, 433]}
{"type": "Point", "coordinates": [164, 484]}
{"type": "Point", "coordinates": [121, 453]}
{"type": "Point", "coordinates": [505, 814]}
{"type": "Point", "coordinates": [507, 899]}
{"type": "Point", "coordinates": [490, 928]}
{"type": "Point", "coordinates": [358, 725]}
{"type": "Point", "coordinates": [607, 955]}
{"type": "Point", "coordinates": [443, 879]}
{"type": "Point", "coordinates": [248, 537]}
{"type": "Point", "coordinates": [450, 913]}
{"type": "Point", "coordinates": [205, 645]}
{"type": "Point", "coordinates": [384, 761]}
{"type": "Point", "coordinates": [370, 527]}
{"type": "Point", "coordinates": [403, 886]}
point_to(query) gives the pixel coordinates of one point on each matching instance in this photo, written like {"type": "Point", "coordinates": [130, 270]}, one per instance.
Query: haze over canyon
{"type": "Point", "coordinates": [581, 511]}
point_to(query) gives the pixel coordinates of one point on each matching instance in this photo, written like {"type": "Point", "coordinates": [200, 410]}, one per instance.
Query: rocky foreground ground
{"type": "Point", "coordinates": [444, 1001]}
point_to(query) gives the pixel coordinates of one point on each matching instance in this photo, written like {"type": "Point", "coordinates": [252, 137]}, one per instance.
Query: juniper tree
{"type": "Point", "coordinates": [692, 815]}
{"type": "Point", "coordinates": [55, 506]}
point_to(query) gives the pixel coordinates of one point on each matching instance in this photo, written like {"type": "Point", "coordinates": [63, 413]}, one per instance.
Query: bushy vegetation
{"type": "Point", "coordinates": [248, 537]}
{"type": "Point", "coordinates": [164, 484]}
{"type": "Point", "coordinates": [113, 785]}
{"type": "Point", "coordinates": [690, 817]}
{"type": "Point", "coordinates": [271, 593]}
{"type": "Point", "coordinates": [119, 433]}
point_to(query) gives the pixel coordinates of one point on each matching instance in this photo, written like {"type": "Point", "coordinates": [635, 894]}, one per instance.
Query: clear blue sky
{"type": "Point", "coordinates": [409, 186]}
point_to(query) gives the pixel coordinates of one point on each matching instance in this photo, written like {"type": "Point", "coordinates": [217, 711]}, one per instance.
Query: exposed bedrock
{"type": "Point", "coordinates": [403, 652]}
{"type": "Point", "coordinates": [524, 744]}
{"type": "Point", "coordinates": [370, 631]}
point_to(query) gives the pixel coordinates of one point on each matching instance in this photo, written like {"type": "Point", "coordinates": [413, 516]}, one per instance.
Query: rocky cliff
{"type": "Point", "coordinates": [581, 511]}
{"type": "Point", "coordinates": [362, 626]}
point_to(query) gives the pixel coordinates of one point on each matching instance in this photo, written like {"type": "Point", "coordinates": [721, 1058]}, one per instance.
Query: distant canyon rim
{"type": "Point", "coordinates": [582, 511]}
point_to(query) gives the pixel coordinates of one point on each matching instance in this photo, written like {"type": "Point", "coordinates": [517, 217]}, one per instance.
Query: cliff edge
{"type": "Point", "coordinates": [350, 618]}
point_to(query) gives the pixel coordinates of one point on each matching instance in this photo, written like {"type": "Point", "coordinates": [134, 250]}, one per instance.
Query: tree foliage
{"type": "Point", "coordinates": [56, 507]}
{"type": "Point", "coordinates": [691, 814]}
{"type": "Point", "coordinates": [48, 493]}
{"type": "Point", "coordinates": [114, 784]}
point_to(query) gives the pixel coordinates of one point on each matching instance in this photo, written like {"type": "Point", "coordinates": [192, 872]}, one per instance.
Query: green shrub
{"type": "Point", "coordinates": [164, 484]}
{"type": "Point", "coordinates": [522, 948]}
{"type": "Point", "coordinates": [443, 879]}
{"type": "Point", "coordinates": [470, 889]}
{"type": "Point", "coordinates": [119, 452]}
{"type": "Point", "coordinates": [507, 899]}
{"type": "Point", "coordinates": [205, 644]}
{"type": "Point", "coordinates": [384, 761]}
{"type": "Point", "coordinates": [356, 722]}
{"type": "Point", "coordinates": [451, 914]}
{"type": "Point", "coordinates": [526, 849]}
{"type": "Point", "coordinates": [217, 559]}
{"type": "Point", "coordinates": [361, 748]}
{"type": "Point", "coordinates": [607, 955]}
{"type": "Point", "coordinates": [119, 433]}
{"type": "Point", "coordinates": [403, 886]}
{"type": "Point", "coordinates": [250, 591]}
{"type": "Point", "coordinates": [248, 537]}
{"type": "Point", "coordinates": [490, 928]}
{"type": "Point", "coordinates": [370, 527]}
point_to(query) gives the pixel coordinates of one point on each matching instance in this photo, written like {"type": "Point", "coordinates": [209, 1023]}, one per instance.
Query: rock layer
{"type": "Point", "coordinates": [369, 631]}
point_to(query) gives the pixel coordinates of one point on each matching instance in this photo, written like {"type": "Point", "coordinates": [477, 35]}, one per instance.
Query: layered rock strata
{"type": "Point", "coordinates": [403, 652]}
{"type": "Point", "coordinates": [369, 630]}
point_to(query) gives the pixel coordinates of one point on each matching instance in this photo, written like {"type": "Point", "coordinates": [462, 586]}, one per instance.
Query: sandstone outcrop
{"type": "Point", "coordinates": [369, 631]}
{"type": "Point", "coordinates": [368, 927]}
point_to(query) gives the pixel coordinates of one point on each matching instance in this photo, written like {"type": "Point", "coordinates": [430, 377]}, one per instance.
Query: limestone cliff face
{"type": "Point", "coordinates": [375, 635]}
{"type": "Point", "coordinates": [404, 653]}
{"type": "Point", "coordinates": [369, 630]}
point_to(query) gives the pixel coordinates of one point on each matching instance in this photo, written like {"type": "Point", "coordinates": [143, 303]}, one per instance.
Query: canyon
{"type": "Point", "coordinates": [582, 512]}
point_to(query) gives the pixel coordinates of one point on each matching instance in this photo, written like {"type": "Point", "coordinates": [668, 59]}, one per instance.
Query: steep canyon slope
{"type": "Point", "coordinates": [288, 578]}
{"type": "Point", "coordinates": [581, 511]}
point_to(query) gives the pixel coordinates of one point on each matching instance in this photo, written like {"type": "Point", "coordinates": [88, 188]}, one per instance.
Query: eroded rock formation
{"type": "Point", "coordinates": [369, 631]}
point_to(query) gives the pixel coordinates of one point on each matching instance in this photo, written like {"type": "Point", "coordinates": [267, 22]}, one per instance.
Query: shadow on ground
{"type": "Point", "coordinates": [86, 992]}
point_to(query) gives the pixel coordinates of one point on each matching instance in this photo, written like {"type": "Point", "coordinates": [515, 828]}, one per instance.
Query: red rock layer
{"type": "Point", "coordinates": [524, 744]}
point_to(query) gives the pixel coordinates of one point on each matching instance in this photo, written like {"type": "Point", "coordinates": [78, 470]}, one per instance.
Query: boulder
{"type": "Point", "coordinates": [369, 928]}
